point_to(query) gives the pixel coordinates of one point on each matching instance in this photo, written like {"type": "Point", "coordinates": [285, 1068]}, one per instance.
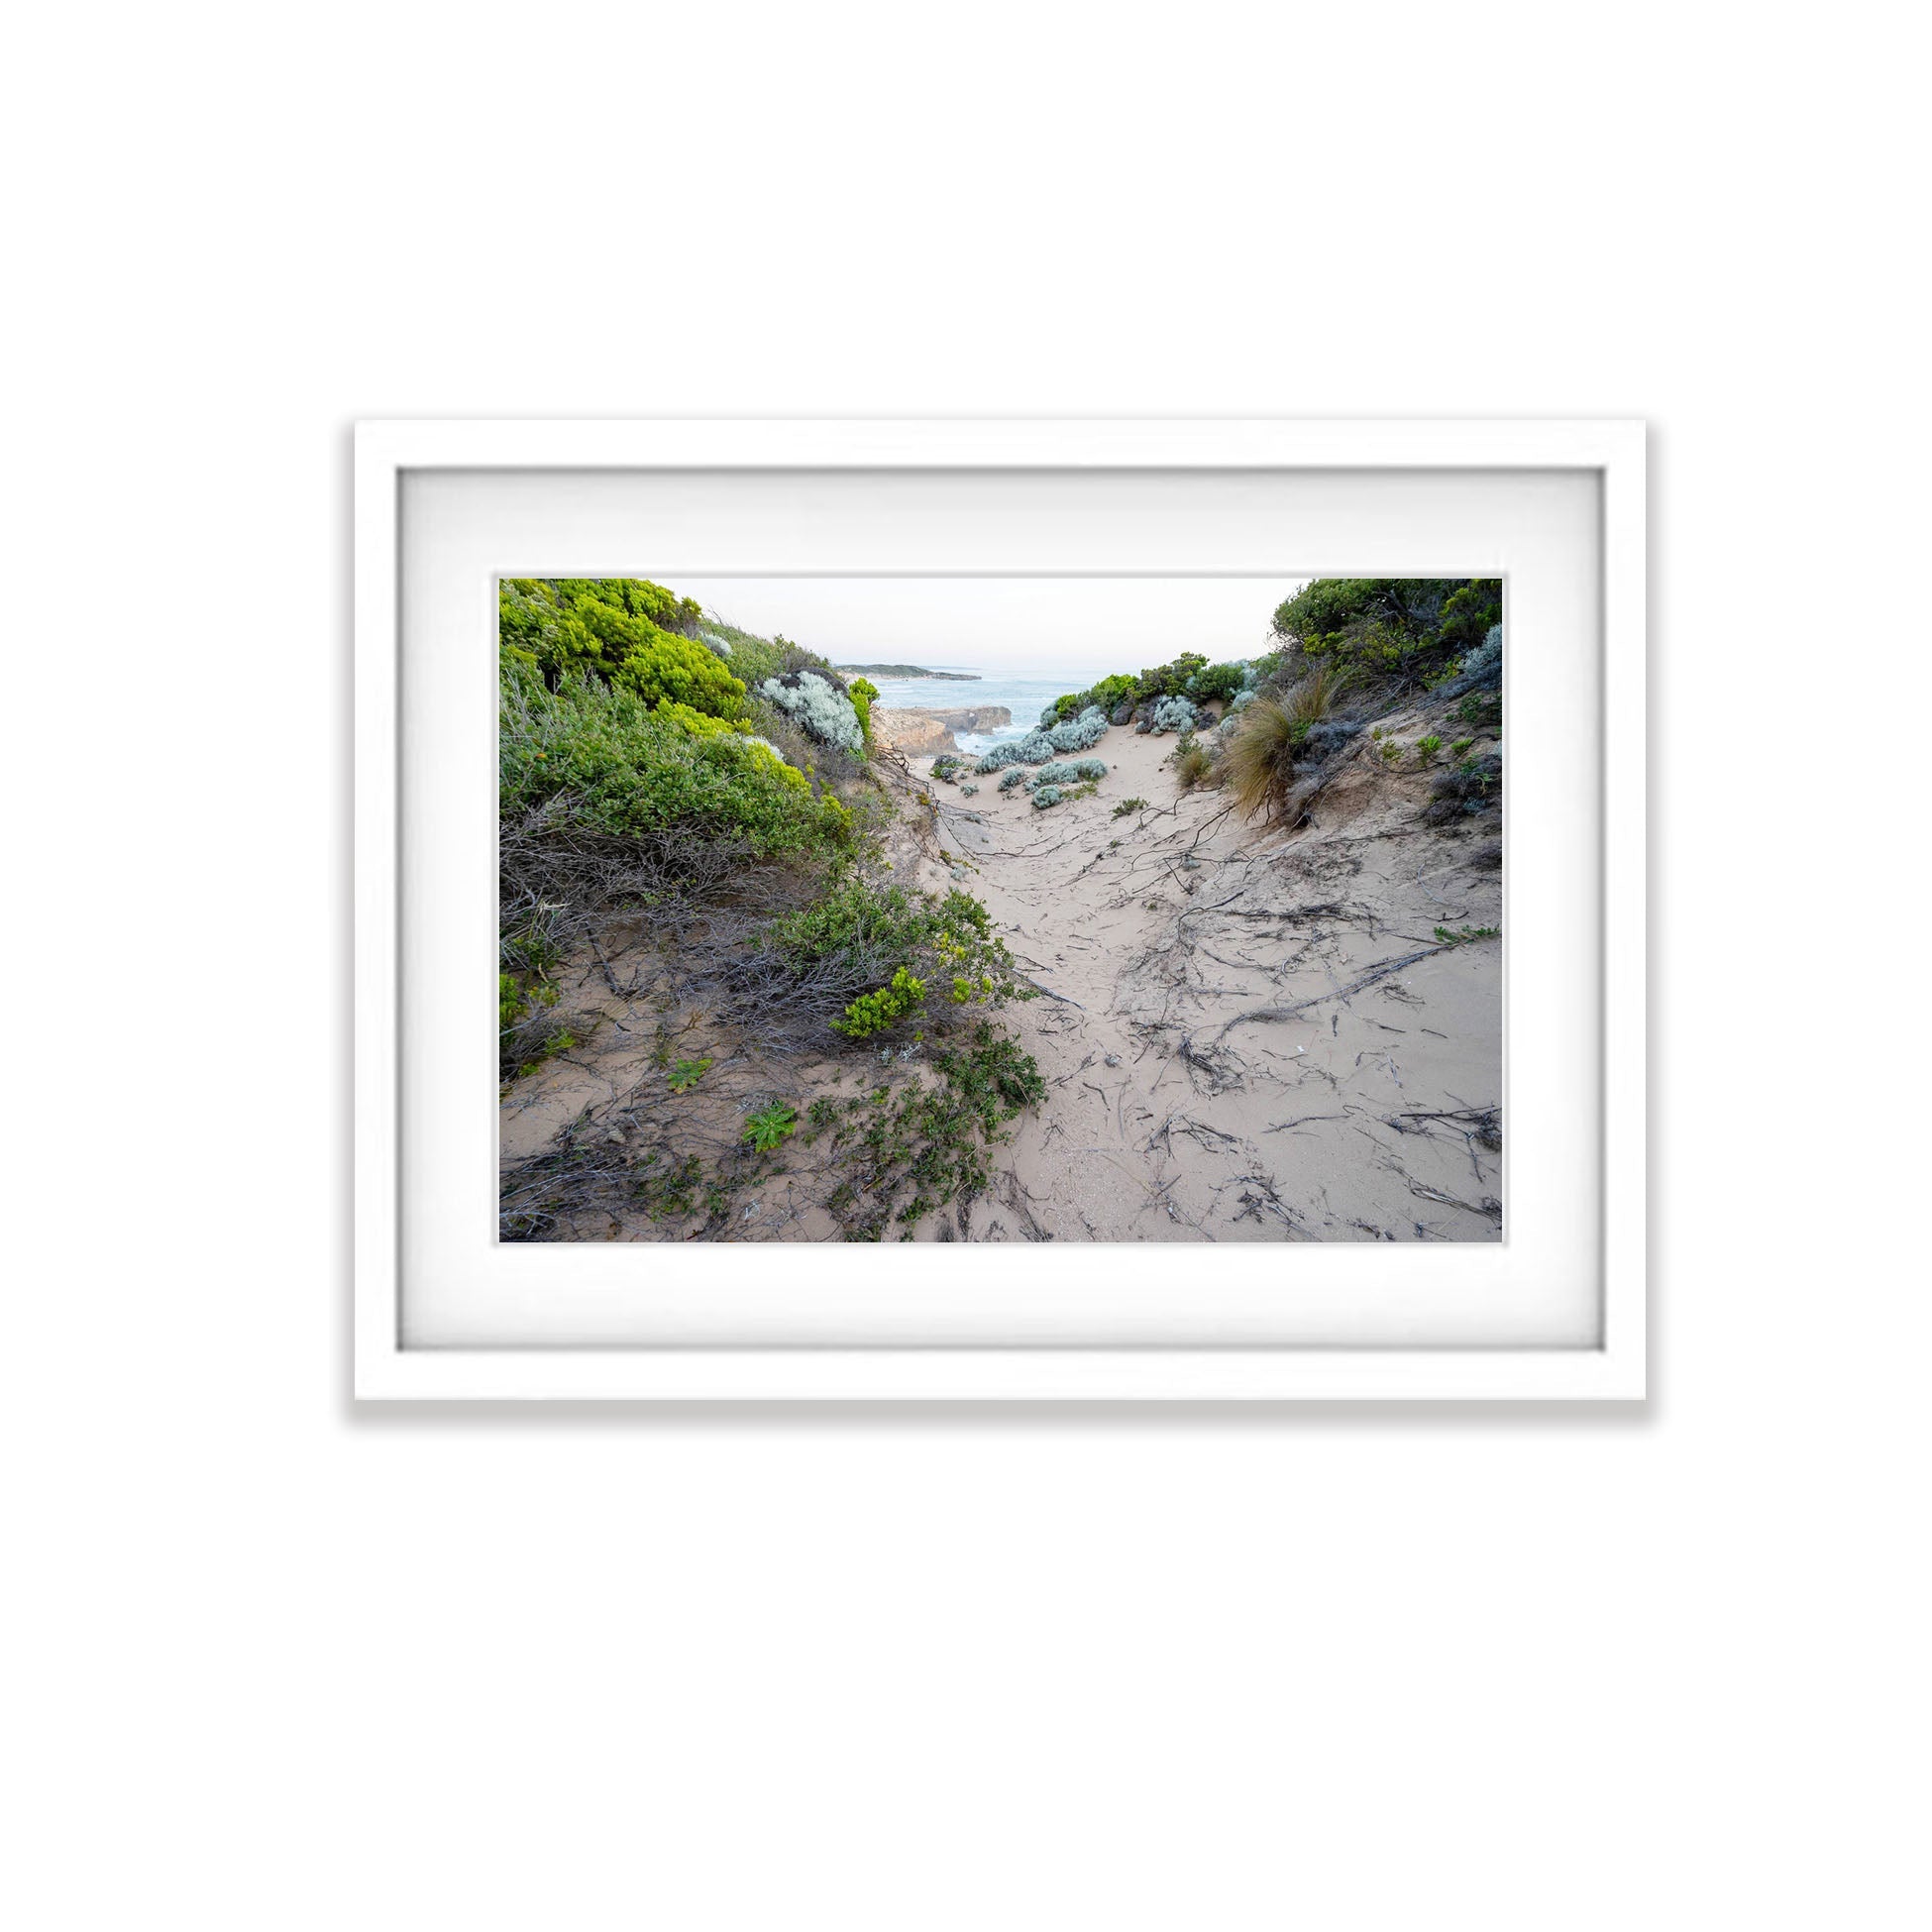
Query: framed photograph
{"type": "Point", "coordinates": [1001, 910]}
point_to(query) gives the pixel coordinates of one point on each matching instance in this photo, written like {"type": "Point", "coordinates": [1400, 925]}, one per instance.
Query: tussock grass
{"type": "Point", "coordinates": [1259, 765]}
{"type": "Point", "coordinates": [1311, 700]}
{"type": "Point", "coordinates": [1194, 765]}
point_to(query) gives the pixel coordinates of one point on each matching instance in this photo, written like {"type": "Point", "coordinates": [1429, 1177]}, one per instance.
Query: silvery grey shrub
{"type": "Point", "coordinates": [1080, 734]}
{"type": "Point", "coordinates": [1071, 771]}
{"type": "Point", "coordinates": [820, 707]}
{"type": "Point", "coordinates": [1485, 655]}
{"type": "Point", "coordinates": [1033, 749]}
{"type": "Point", "coordinates": [1174, 714]}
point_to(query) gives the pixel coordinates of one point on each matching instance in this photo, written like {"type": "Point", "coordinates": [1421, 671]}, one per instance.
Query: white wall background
{"type": "Point", "coordinates": [274, 1663]}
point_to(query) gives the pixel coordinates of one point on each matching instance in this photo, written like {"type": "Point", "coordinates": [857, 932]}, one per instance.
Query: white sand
{"type": "Point", "coordinates": [1173, 1113]}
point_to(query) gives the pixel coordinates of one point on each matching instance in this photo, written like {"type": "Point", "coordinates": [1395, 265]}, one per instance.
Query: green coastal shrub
{"type": "Point", "coordinates": [1104, 696]}
{"type": "Point", "coordinates": [1217, 681]}
{"type": "Point", "coordinates": [1405, 630]}
{"type": "Point", "coordinates": [928, 1141]}
{"type": "Point", "coordinates": [753, 658]}
{"type": "Point", "coordinates": [674, 671]}
{"type": "Point", "coordinates": [621, 629]}
{"type": "Point", "coordinates": [637, 596]}
{"type": "Point", "coordinates": [700, 725]}
{"type": "Point", "coordinates": [864, 693]}
{"type": "Point", "coordinates": [871, 925]}
{"type": "Point", "coordinates": [874, 1012]}
{"type": "Point", "coordinates": [612, 763]}
{"type": "Point", "coordinates": [527, 1031]}
{"type": "Point", "coordinates": [863, 932]}
{"type": "Point", "coordinates": [1169, 679]}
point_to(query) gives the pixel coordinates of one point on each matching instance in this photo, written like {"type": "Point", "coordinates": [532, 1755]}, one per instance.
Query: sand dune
{"type": "Point", "coordinates": [1250, 1036]}
{"type": "Point", "coordinates": [1247, 1034]}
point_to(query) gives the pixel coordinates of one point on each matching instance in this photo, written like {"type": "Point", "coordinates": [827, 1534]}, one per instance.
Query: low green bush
{"type": "Point", "coordinates": [612, 763]}
{"type": "Point", "coordinates": [672, 670]}
{"type": "Point", "coordinates": [1217, 681]}
{"type": "Point", "coordinates": [875, 1012]}
{"type": "Point", "coordinates": [1105, 694]}
{"type": "Point", "coordinates": [621, 629]}
{"type": "Point", "coordinates": [905, 1154]}
{"type": "Point", "coordinates": [1169, 679]}
{"type": "Point", "coordinates": [753, 658]}
{"type": "Point", "coordinates": [863, 931]}
{"type": "Point", "coordinates": [527, 1031]}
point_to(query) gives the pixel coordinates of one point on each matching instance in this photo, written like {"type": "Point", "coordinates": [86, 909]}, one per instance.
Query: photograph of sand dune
{"type": "Point", "coordinates": [1000, 908]}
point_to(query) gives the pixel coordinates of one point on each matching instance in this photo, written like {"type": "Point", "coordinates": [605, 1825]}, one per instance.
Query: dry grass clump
{"type": "Point", "coordinates": [1311, 700]}
{"type": "Point", "coordinates": [1259, 765]}
{"type": "Point", "coordinates": [1261, 757]}
{"type": "Point", "coordinates": [1194, 765]}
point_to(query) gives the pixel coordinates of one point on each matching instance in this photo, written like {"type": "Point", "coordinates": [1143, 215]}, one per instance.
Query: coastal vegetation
{"type": "Point", "coordinates": [1410, 632]}
{"type": "Point", "coordinates": [691, 852]}
{"type": "Point", "coordinates": [731, 970]}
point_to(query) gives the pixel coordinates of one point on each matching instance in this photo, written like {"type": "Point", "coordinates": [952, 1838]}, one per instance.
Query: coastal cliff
{"type": "Point", "coordinates": [909, 732]}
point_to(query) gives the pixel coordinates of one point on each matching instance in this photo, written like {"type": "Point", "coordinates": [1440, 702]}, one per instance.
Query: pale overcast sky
{"type": "Point", "coordinates": [1023, 625]}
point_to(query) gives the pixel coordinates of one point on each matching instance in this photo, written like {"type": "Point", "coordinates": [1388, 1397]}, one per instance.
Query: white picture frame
{"type": "Point", "coordinates": [1609, 1366]}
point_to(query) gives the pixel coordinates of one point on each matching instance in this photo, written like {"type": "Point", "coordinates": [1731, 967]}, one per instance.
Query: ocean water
{"type": "Point", "coordinates": [1024, 697]}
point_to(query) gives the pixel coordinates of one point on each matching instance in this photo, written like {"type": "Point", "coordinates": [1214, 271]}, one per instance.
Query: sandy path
{"type": "Point", "coordinates": [1247, 1035]}
{"type": "Point", "coordinates": [1252, 1036]}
